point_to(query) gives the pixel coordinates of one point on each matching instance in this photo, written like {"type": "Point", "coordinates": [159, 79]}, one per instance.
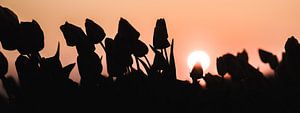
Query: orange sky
{"type": "Point", "coordinates": [215, 26]}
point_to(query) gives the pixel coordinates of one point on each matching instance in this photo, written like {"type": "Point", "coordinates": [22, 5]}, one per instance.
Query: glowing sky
{"type": "Point", "coordinates": [214, 26]}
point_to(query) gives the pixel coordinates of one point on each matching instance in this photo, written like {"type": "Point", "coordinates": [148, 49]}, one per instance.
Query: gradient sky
{"type": "Point", "coordinates": [214, 26]}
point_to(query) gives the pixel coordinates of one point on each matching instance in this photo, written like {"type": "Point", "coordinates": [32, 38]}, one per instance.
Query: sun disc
{"type": "Point", "coordinates": [198, 57]}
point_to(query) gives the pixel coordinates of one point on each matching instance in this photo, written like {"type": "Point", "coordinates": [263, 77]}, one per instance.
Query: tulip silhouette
{"type": "Point", "coordinates": [95, 33]}
{"type": "Point", "coordinates": [160, 37]}
{"type": "Point", "coordinates": [139, 49]}
{"type": "Point", "coordinates": [72, 34]}
{"type": "Point", "coordinates": [197, 72]}
{"type": "Point", "coordinates": [292, 46]}
{"type": "Point", "coordinates": [268, 57]}
{"type": "Point", "coordinates": [243, 56]}
{"type": "Point", "coordinates": [75, 36]}
{"type": "Point", "coordinates": [126, 37]}
{"type": "Point", "coordinates": [114, 67]}
{"type": "Point", "coordinates": [89, 63]}
{"type": "Point", "coordinates": [127, 31]}
{"type": "Point", "coordinates": [221, 66]}
{"type": "Point", "coordinates": [32, 40]}
{"type": "Point", "coordinates": [289, 67]}
{"type": "Point", "coordinates": [229, 63]}
{"type": "Point", "coordinates": [292, 54]}
{"type": "Point", "coordinates": [9, 28]}
{"type": "Point", "coordinates": [125, 43]}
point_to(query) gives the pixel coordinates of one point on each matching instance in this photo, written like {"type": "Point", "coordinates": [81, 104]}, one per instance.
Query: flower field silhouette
{"type": "Point", "coordinates": [152, 87]}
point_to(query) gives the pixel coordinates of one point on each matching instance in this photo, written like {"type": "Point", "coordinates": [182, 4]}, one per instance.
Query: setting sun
{"type": "Point", "coordinates": [199, 57]}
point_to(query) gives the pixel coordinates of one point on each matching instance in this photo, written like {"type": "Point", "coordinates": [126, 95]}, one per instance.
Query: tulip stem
{"type": "Point", "coordinates": [103, 47]}
{"type": "Point", "coordinates": [137, 63]}
{"type": "Point", "coordinates": [147, 61]}
{"type": "Point", "coordinates": [166, 54]}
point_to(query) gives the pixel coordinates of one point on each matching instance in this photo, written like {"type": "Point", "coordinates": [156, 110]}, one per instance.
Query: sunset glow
{"type": "Point", "coordinates": [198, 57]}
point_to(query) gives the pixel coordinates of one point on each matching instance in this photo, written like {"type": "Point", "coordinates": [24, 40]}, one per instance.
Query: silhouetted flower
{"type": "Point", "coordinates": [126, 31]}
{"type": "Point", "coordinates": [243, 56]}
{"type": "Point", "coordinates": [292, 47]}
{"type": "Point", "coordinates": [117, 59]}
{"type": "Point", "coordinates": [197, 72]}
{"type": "Point", "coordinates": [221, 66]}
{"type": "Point", "coordinates": [160, 37]}
{"type": "Point", "coordinates": [95, 33]}
{"type": "Point", "coordinates": [9, 28]}
{"type": "Point", "coordinates": [73, 34]}
{"type": "Point", "coordinates": [124, 42]}
{"type": "Point", "coordinates": [3, 65]}
{"type": "Point", "coordinates": [139, 49]}
{"type": "Point", "coordinates": [32, 38]}
{"type": "Point", "coordinates": [268, 57]}
{"type": "Point", "coordinates": [228, 63]}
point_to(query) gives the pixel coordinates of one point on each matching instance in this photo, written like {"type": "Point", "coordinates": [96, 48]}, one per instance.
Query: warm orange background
{"type": "Point", "coordinates": [215, 26]}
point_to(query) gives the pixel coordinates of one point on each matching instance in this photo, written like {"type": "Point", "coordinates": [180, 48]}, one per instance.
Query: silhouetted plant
{"type": "Point", "coordinates": [94, 32]}
{"type": "Point", "coordinates": [9, 28]}
{"type": "Point", "coordinates": [243, 56]}
{"type": "Point", "coordinates": [31, 39]}
{"type": "Point", "coordinates": [120, 49]}
{"type": "Point", "coordinates": [197, 72]}
{"type": "Point", "coordinates": [161, 65]}
{"type": "Point", "coordinates": [228, 64]}
{"type": "Point", "coordinates": [72, 34]}
{"type": "Point", "coordinates": [89, 63]}
{"type": "Point", "coordinates": [268, 57]}
{"type": "Point", "coordinates": [160, 37]}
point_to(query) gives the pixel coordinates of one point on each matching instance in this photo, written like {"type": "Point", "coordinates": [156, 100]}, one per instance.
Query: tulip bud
{"type": "Point", "coordinates": [197, 72]}
{"type": "Point", "coordinates": [126, 30]}
{"type": "Point", "coordinates": [9, 28]}
{"type": "Point", "coordinates": [139, 49]}
{"type": "Point", "coordinates": [160, 37]}
{"type": "Point", "coordinates": [94, 32]}
{"type": "Point", "coordinates": [221, 66]}
{"type": "Point", "coordinates": [32, 38]}
{"type": "Point", "coordinates": [72, 34]}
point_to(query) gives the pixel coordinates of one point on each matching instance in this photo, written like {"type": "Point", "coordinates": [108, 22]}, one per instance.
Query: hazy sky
{"type": "Point", "coordinates": [214, 26]}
